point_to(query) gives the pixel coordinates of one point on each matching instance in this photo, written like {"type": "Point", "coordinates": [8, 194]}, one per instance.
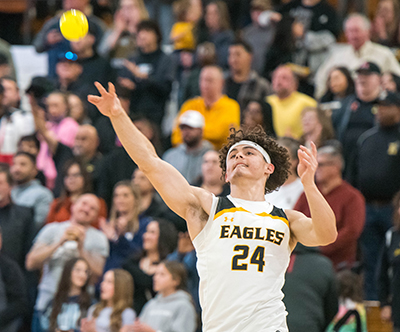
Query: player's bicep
{"type": "Point", "coordinates": [301, 228]}
{"type": "Point", "coordinates": [174, 189]}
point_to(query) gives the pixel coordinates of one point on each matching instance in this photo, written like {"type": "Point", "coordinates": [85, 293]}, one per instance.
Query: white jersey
{"type": "Point", "coordinates": [243, 252]}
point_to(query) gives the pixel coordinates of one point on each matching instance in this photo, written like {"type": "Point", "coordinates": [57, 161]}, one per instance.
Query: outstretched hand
{"type": "Point", "coordinates": [108, 103]}
{"type": "Point", "coordinates": [307, 163]}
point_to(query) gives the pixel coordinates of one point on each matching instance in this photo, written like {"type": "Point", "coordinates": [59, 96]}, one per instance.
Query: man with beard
{"type": "Point", "coordinates": [187, 157]}
{"type": "Point", "coordinates": [27, 190]}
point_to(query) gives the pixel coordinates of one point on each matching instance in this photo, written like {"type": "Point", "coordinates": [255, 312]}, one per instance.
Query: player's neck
{"type": "Point", "coordinates": [248, 191]}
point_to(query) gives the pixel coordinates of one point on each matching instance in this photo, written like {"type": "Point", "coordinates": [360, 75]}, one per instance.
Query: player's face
{"type": "Point", "coordinates": [245, 161]}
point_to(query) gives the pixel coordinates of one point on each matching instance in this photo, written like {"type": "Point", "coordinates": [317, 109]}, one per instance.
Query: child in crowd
{"type": "Point", "coordinates": [187, 14]}
{"type": "Point", "coordinates": [351, 315]}
{"type": "Point", "coordinates": [71, 301]}
{"type": "Point", "coordinates": [172, 309]}
{"type": "Point", "coordinates": [113, 312]}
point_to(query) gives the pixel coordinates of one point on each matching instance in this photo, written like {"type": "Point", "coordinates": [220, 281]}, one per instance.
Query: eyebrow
{"type": "Point", "coordinates": [245, 147]}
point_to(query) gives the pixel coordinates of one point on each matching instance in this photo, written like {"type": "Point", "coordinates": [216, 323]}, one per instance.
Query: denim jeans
{"type": "Point", "coordinates": [378, 221]}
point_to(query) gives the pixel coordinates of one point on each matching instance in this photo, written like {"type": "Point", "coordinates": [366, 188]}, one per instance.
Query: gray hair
{"type": "Point", "coordinates": [364, 19]}
{"type": "Point", "coordinates": [333, 153]}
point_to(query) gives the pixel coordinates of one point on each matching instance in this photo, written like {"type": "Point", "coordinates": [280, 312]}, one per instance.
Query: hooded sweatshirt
{"type": "Point", "coordinates": [173, 313]}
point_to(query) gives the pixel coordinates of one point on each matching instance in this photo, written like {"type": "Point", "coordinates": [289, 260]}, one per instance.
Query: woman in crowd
{"type": "Point", "coordinates": [77, 109]}
{"type": "Point", "coordinates": [317, 127]}
{"type": "Point", "coordinates": [340, 84]}
{"type": "Point", "coordinates": [390, 82]}
{"type": "Point", "coordinates": [114, 311]}
{"type": "Point", "coordinates": [72, 300]}
{"type": "Point", "coordinates": [120, 42]}
{"type": "Point", "coordinates": [159, 240]}
{"type": "Point", "coordinates": [76, 182]}
{"type": "Point", "coordinates": [175, 304]}
{"type": "Point", "coordinates": [258, 113]}
{"type": "Point", "coordinates": [385, 25]}
{"type": "Point", "coordinates": [217, 30]}
{"type": "Point", "coordinates": [125, 228]}
{"type": "Point", "coordinates": [389, 275]}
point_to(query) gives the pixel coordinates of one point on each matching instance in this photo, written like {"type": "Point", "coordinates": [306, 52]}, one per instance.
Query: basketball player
{"type": "Point", "coordinates": [243, 243]}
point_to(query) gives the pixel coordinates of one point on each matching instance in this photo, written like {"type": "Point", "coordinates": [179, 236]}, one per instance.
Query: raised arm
{"type": "Point", "coordinates": [192, 204]}
{"type": "Point", "coordinates": [320, 229]}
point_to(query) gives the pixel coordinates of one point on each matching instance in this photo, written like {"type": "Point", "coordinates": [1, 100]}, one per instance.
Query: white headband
{"type": "Point", "coordinates": [254, 145]}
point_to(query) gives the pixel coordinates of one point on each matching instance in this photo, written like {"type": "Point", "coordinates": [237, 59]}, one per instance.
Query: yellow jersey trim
{"type": "Point", "coordinates": [240, 209]}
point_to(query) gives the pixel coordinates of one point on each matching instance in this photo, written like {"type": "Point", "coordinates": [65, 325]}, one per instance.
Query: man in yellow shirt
{"type": "Point", "coordinates": [287, 103]}
{"type": "Point", "coordinates": [220, 112]}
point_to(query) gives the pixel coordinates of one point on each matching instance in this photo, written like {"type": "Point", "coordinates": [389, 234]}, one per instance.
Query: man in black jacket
{"type": "Point", "coordinates": [311, 297]}
{"type": "Point", "coordinates": [13, 298]}
{"type": "Point", "coordinates": [16, 221]}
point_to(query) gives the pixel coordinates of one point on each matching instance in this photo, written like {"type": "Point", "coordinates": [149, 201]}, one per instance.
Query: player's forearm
{"type": "Point", "coordinates": [323, 218]}
{"type": "Point", "coordinates": [135, 143]}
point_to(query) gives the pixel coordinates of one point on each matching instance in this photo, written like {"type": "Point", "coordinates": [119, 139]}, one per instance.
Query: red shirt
{"type": "Point", "coordinates": [348, 204]}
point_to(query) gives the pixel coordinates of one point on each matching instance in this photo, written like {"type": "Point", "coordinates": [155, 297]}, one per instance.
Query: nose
{"type": "Point", "coordinates": [239, 155]}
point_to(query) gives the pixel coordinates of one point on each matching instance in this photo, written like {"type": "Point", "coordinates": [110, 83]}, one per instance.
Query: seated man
{"type": "Point", "coordinates": [27, 190]}
{"type": "Point", "coordinates": [187, 157]}
{"type": "Point", "coordinates": [358, 50]}
{"type": "Point", "coordinates": [347, 203]}
{"type": "Point", "coordinates": [56, 243]}
{"type": "Point", "coordinates": [13, 297]}
{"type": "Point", "coordinates": [220, 112]}
{"type": "Point", "coordinates": [287, 103]}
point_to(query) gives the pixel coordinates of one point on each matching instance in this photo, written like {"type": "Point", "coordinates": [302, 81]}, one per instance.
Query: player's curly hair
{"type": "Point", "coordinates": [279, 155]}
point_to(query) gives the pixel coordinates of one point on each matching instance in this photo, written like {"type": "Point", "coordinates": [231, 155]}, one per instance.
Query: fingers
{"type": "Point", "coordinates": [100, 88]}
{"type": "Point", "coordinates": [111, 88]}
{"type": "Point", "coordinates": [93, 99]}
{"type": "Point", "coordinates": [307, 158]}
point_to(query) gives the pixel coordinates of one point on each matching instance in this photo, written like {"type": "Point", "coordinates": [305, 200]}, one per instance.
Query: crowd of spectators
{"type": "Point", "coordinates": [87, 244]}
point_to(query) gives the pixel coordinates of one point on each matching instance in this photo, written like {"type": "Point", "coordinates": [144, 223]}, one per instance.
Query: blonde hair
{"type": "Point", "coordinates": [122, 299]}
{"type": "Point", "coordinates": [144, 14]}
{"type": "Point", "coordinates": [133, 216]}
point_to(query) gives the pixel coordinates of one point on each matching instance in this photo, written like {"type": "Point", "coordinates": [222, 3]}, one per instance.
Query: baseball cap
{"type": "Point", "coordinates": [368, 68]}
{"type": "Point", "coordinates": [389, 98]}
{"type": "Point", "coordinates": [192, 119]}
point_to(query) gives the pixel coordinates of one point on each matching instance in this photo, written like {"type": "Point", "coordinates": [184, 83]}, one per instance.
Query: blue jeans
{"type": "Point", "coordinates": [36, 325]}
{"type": "Point", "coordinates": [378, 221]}
{"type": "Point", "coordinates": [163, 15]}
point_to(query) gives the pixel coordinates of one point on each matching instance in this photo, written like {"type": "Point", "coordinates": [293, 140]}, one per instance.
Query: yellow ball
{"type": "Point", "coordinates": [74, 25]}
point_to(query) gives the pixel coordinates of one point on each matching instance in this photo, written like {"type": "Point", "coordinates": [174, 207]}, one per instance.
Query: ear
{"type": "Point", "coordinates": [269, 168]}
